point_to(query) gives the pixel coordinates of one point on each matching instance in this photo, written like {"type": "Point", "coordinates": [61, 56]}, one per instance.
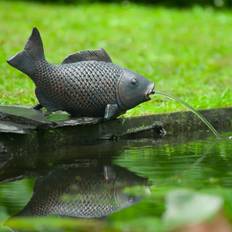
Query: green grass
{"type": "Point", "coordinates": [187, 53]}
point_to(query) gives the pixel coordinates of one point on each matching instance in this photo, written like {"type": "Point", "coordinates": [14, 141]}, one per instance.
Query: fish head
{"type": "Point", "coordinates": [127, 180]}
{"type": "Point", "coordinates": [133, 89]}
{"type": "Point", "coordinates": [126, 200]}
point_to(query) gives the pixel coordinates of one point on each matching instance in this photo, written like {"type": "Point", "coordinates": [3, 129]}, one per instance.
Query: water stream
{"type": "Point", "coordinates": [199, 115]}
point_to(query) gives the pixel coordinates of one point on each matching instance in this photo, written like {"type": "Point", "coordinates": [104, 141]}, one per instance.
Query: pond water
{"type": "Point", "coordinates": [121, 185]}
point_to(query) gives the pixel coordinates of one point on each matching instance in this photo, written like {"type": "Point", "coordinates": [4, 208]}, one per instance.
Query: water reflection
{"type": "Point", "coordinates": [90, 190]}
{"type": "Point", "coordinates": [196, 164]}
{"type": "Point", "coordinates": [88, 181]}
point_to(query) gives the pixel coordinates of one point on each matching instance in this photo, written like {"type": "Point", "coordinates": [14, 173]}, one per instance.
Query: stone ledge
{"type": "Point", "coordinates": [27, 121]}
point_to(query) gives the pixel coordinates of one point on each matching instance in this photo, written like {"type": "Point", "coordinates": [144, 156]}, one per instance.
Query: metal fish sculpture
{"type": "Point", "coordinates": [87, 83]}
{"type": "Point", "coordinates": [86, 192]}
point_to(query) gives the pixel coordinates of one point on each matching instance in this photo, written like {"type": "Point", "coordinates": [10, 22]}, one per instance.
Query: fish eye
{"type": "Point", "coordinates": [132, 199]}
{"type": "Point", "coordinates": [133, 81]}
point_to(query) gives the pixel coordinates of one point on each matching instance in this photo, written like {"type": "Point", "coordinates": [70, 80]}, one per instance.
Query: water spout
{"type": "Point", "coordinates": [199, 115]}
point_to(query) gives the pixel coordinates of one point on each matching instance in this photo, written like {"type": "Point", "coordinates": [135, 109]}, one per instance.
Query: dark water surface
{"type": "Point", "coordinates": [122, 183]}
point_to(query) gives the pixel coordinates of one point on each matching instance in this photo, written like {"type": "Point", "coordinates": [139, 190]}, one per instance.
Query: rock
{"type": "Point", "coordinates": [11, 127]}
{"type": "Point", "coordinates": [22, 115]}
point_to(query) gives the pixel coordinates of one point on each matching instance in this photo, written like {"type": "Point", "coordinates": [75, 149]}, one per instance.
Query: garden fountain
{"type": "Point", "coordinates": [81, 162]}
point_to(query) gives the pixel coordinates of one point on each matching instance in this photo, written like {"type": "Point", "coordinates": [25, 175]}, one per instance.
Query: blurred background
{"type": "Point", "coordinates": [177, 3]}
{"type": "Point", "coordinates": [183, 46]}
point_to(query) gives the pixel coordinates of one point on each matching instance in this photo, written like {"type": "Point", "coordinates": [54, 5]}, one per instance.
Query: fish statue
{"type": "Point", "coordinates": [85, 84]}
{"type": "Point", "coordinates": [82, 192]}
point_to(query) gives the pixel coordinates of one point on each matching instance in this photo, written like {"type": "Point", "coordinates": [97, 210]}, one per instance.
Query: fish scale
{"type": "Point", "coordinates": [82, 191]}
{"type": "Point", "coordinates": [90, 87]}
{"type": "Point", "coordinates": [60, 199]}
{"type": "Point", "coordinates": [86, 83]}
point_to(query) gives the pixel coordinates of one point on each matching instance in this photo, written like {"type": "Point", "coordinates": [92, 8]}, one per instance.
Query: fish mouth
{"type": "Point", "coordinates": [150, 91]}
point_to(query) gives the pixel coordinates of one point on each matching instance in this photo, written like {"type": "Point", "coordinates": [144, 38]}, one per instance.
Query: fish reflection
{"type": "Point", "coordinates": [93, 191]}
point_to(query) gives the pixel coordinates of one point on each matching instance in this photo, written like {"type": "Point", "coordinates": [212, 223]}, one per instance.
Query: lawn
{"type": "Point", "coordinates": [187, 53]}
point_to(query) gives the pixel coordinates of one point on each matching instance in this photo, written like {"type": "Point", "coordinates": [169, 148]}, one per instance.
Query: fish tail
{"type": "Point", "coordinates": [33, 51]}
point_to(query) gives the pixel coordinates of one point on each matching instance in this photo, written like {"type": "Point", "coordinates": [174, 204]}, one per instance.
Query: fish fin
{"type": "Point", "coordinates": [111, 111]}
{"type": "Point", "coordinates": [43, 100]}
{"type": "Point", "coordinates": [37, 107]}
{"type": "Point", "coordinates": [109, 173]}
{"type": "Point", "coordinates": [98, 55]}
{"type": "Point", "coordinates": [23, 62]}
{"type": "Point", "coordinates": [33, 50]}
{"type": "Point", "coordinates": [34, 45]}
{"type": "Point", "coordinates": [4, 155]}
